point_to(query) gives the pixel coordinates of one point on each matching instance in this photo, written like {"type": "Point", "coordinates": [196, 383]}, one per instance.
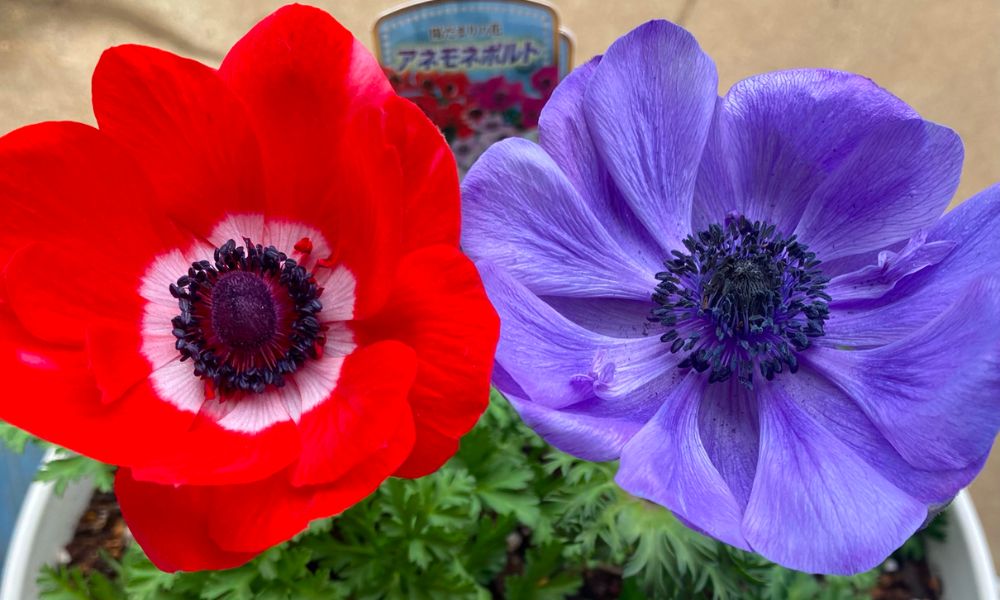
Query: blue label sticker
{"type": "Point", "coordinates": [480, 69]}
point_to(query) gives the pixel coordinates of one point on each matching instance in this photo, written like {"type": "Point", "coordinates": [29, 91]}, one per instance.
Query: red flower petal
{"type": "Point", "coordinates": [185, 128]}
{"type": "Point", "coordinates": [302, 76]}
{"type": "Point", "coordinates": [361, 415]}
{"type": "Point", "coordinates": [439, 308]}
{"type": "Point", "coordinates": [56, 291]}
{"type": "Point", "coordinates": [431, 210]}
{"type": "Point", "coordinates": [77, 199]}
{"type": "Point", "coordinates": [171, 525]}
{"type": "Point", "coordinates": [360, 212]}
{"type": "Point", "coordinates": [284, 511]}
{"type": "Point", "coordinates": [31, 370]}
{"type": "Point", "coordinates": [51, 393]}
{"type": "Point", "coordinates": [205, 453]}
{"type": "Point", "coordinates": [315, 95]}
{"type": "Point", "coordinates": [116, 359]}
{"type": "Point", "coordinates": [431, 451]}
{"type": "Point", "coordinates": [67, 183]}
{"type": "Point", "coordinates": [193, 528]}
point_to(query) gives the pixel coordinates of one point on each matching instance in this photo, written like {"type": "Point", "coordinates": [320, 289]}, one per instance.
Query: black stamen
{"type": "Point", "coordinates": [743, 298]}
{"type": "Point", "coordinates": [247, 318]}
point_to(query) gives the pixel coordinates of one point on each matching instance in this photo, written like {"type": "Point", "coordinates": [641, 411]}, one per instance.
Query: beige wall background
{"type": "Point", "coordinates": [941, 56]}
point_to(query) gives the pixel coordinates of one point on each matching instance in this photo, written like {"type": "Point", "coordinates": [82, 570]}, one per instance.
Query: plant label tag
{"type": "Point", "coordinates": [566, 44]}
{"type": "Point", "coordinates": [480, 69]}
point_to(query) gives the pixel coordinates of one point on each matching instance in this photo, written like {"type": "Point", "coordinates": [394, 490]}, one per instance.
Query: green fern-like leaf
{"type": "Point", "coordinates": [67, 468]}
{"type": "Point", "coordinates": [545, 576]}
{"type": "Point", "coordinates": [141, 579]}
{"type": "Point", "coordinates": [13, 438]}
{"type": "Point", "coordinates": [64, 583]}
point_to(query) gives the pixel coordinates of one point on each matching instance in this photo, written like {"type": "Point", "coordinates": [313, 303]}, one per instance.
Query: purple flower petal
{"type": "Point", "coordinates": [728, 424]}
{"type": "Point", "coordinates": [777, 137]}
{"type": "Point", "coordinates": [925, 294]}
{"type": "Point", "coordinates": [573, 429]}
{"type": "Point", "coordinates": [649, 107]}
{"type": "Point", "coordinates": [932, 394]}
{"type": "Point", "coordinates": [816, 505]}
{"type": "Point", "coordinates": [839, 414]}
{"type": "Point", "coordinates": [666, 462]}
{"type": "Point", "coordinates": [558, 364]}
{"type": "Point", "coordinates": [973, 225]}
{"type": "Point", "coordinates": [875, 281]}
{"type": "Point", "coordinates": [898, 180]}
{"type": "Point", "coordinates": [848, 264]}
{"type": "Point", "coordinates": [522, 213]}
{"type": "Point", "coordinates": [565, 136]}
{"type": "Point", "coordinates": [612, 317]}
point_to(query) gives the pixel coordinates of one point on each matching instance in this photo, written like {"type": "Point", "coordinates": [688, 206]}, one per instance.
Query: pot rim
{"type": "Point", "coordinates": [972, 541]}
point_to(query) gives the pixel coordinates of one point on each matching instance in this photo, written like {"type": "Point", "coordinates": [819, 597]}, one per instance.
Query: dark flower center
{"type": "Point", "coordinates": [742, 298]}
{"type": "Point", "coordinates": [243, 312]}
{"type": "Point", "coordinates": [247, 319]}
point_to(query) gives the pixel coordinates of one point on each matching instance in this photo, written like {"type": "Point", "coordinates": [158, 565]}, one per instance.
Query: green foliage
{"type": "Point", "coordinates": [65, 468]}
{"type": "Point", "coordinates": [70, 584]}
{"type": "Point", "coordinates": [13, 438]}
{"type": "Point", "coordinates": [785, 584]}
{"type": "Point", "coordinates": [544, 576]}
{"type": "Point", "coordinates": [508, 517]}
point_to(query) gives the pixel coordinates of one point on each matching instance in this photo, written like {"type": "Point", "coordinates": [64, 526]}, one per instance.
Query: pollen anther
{"type": "Point", "coordinates": [742, 298]}
{"type": "Point", "coordinates": [248, 319]}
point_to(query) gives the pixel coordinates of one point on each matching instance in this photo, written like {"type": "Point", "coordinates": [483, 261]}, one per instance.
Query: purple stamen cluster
{"type": "Point", "coordinates": [248, 319]}
{"type": "Point", "coordinates": [743, 298]}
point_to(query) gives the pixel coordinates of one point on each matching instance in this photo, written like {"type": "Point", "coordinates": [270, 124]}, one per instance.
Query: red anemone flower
{"type": "Point", "coordinates": [452, 118]}
{"type": "Point", "coordinates": [531, 111]}
{"type": "Point", "coordinates": [496, 94]}
{"type": "Point", "coordinates": [244, 288]}
{"type": "Point", "coordinates": [545, 79]}
{"type": "Point", "coordinates": [453, 86]}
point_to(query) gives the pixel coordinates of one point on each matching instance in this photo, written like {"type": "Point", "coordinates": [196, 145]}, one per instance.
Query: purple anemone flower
{"type": "Point", "coordinates": [753, 302]}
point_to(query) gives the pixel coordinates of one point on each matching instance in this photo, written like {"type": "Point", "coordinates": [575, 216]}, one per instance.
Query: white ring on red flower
{"type": "Point", "coordinates": [175, 382]}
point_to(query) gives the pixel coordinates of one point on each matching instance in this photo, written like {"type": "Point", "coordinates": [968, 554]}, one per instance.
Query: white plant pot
{"type": "Point", "coordinates": [44, 526]}
{"type": "Point", "coordinates": [963, 560]}
{"type": "Point", "coordinates": [47, 523]}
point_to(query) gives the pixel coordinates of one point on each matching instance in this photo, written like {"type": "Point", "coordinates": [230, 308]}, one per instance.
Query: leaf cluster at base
{"type": "Point", "coordinates": [63, 467]}
{"type": "Point", "coordinates": [508, 517]}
